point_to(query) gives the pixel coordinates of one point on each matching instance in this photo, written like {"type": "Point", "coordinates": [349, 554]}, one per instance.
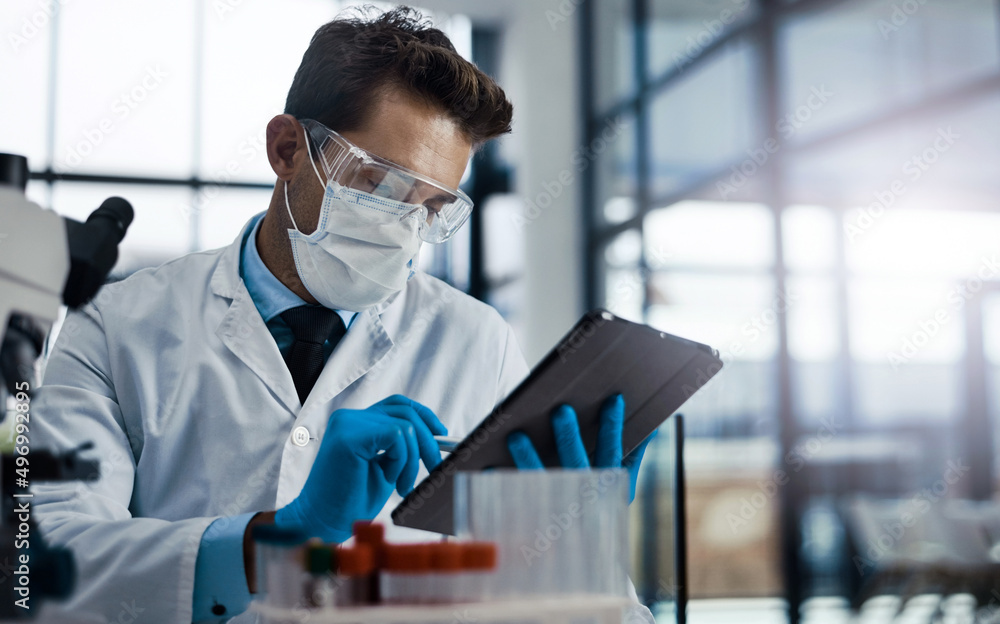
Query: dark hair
{"type": "Point", "coordinates": [352, 60]}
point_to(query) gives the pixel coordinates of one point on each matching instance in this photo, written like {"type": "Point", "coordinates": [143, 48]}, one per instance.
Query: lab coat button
{"type": "Point", "coordinates": [300, 437]}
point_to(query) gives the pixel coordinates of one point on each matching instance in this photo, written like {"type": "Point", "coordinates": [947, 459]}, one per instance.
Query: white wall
{"type": "Point", "coordinates": [540, 74]}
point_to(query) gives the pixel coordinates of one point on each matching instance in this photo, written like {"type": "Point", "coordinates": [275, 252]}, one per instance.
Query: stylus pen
{"type": "Point", "coordinates": [447, 444]}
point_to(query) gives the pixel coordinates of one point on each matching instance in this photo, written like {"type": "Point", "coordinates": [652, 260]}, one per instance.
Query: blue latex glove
{"type": "Point", "coordinates": [364, 455]}
{"type": "Point", "coordinates": [569, 444]}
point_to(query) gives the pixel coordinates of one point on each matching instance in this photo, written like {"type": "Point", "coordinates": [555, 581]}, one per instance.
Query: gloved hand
{"type": "Point", "coordinates": [352, 478]}
{"type": "Point", "coordinates": [569, 444]}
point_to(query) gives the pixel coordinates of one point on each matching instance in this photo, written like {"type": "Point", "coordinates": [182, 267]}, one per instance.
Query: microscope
{"type": "Point", "coordinates": [46, 261]}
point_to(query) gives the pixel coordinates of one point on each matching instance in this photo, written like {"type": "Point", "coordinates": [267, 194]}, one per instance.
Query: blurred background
{"type": "Point", "coordinates": [809, 186]}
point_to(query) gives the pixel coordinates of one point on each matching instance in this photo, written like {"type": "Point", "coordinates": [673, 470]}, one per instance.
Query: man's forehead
{"type": "Point", "coordinates": [411, 133]}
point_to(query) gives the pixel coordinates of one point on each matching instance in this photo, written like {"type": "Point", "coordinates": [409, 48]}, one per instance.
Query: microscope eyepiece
{"type": "Point", "coordinates": [14, 171]}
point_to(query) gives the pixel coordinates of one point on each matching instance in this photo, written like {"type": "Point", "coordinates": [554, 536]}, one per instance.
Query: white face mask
{"type": "Point", "coordinates": [361, 252]}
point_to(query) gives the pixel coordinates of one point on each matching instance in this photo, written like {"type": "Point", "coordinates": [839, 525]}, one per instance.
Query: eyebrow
{"type": "Point", "coordinates": [408, 167]}
{"type": "Point", "coordinates": [441, 197]}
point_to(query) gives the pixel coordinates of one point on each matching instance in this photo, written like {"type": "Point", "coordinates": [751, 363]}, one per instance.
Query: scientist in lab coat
{"type": "Point", "coordinates": [298, 375]}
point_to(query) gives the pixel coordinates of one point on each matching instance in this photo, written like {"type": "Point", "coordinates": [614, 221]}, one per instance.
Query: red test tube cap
{"type": "Point", "coordinates": [358, 560]}
{"type": "Point", "coordinates": [407, 558]}
{"type": "Point", "coordinates": [479, 556]}
{"type": "Point", "coordinates": [446, 556]}
{"type": "Point", "coordinates": [366, 532]}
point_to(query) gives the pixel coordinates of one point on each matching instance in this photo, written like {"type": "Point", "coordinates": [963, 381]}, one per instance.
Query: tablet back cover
{"type": "Point", "coordinates": [602, 355]}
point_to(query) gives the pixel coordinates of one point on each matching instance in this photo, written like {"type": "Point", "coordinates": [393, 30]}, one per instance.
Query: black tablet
{"type": "Point", "coordinates": [602, 355]}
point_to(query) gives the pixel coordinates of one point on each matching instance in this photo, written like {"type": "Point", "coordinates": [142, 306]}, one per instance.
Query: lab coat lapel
{"type": "Point", "coordinates": [243, 331]}
{"type": "Point", "coordinates": [246, 335]}
{"type": "Point", "coordinates": [363, 347]}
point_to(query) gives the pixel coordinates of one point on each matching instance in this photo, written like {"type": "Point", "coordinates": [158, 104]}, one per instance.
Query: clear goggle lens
{"type": "Point", "coordinates": [441, 210]}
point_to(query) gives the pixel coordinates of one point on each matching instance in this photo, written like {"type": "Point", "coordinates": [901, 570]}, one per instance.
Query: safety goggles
{"type": "Point", "coordinates": [441, 210]}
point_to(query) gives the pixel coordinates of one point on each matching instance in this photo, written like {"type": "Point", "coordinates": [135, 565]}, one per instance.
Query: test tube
{"type": "Point", "coordinates": [280, 571]}
{"type": "Point", "coordinates": [446, 570]}
{"type": "Point", "coordinates": [319, 585]}
{"type": "Point", "coordinates": [373, 535]}
{"type": "Point", "coordinates": [355, 567]}
{"type": "Point", "coordinates": [405, 573]}
{"type": "Point", "coordinates": [479, 564]}
{"type": "Point", "coordinates": [567, 533]}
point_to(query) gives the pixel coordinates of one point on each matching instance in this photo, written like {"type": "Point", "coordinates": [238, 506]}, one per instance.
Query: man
{"type": "Point", "coordinates": [299, 375]}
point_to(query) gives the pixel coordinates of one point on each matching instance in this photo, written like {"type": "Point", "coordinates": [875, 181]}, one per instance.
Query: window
{"type": "Point", "coordinates": [812, 185]}
{"type": "Point", "coordinates": [165, 105]}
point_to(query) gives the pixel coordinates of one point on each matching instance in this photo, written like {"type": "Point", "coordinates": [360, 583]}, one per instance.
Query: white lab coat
{"type": "Point", "coordinates": [174, 377]}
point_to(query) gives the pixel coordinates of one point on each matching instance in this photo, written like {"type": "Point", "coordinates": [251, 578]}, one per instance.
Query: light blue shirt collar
{"type": "Point", "coordinates": [269, 295]}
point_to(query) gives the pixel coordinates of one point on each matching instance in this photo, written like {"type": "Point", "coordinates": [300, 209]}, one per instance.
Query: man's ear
{"type": "Point", "coordinates": [285, 137]}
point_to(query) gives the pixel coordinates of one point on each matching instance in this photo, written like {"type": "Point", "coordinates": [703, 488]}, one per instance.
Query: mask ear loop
{"type": "Point", "coordinates": [318, 177]}
{"type": "Point", "coordinates": [311, 161]}
{"type": "Point", "coordinates": [289, 209]}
